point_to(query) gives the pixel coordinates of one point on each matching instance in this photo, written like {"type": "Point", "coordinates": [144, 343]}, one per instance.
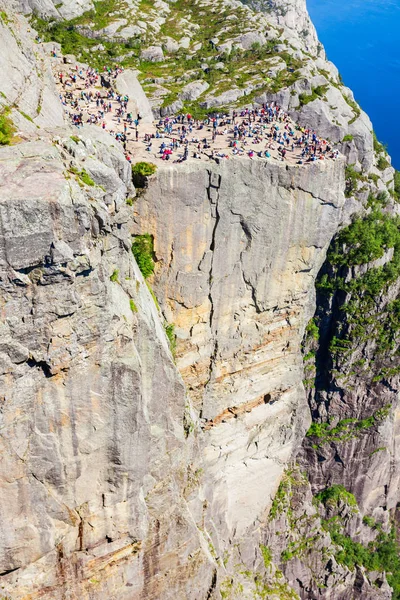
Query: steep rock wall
{"type": "Point", "coordinates": [238, 247]}
{"type": "Point", "coordinates": [93, 450]}
{"type": "Point", "coordinates": [27, 85]}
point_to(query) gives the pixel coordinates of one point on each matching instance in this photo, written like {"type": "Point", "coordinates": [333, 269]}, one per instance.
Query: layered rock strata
{"type": "Point", "coordinates": [238, 247]}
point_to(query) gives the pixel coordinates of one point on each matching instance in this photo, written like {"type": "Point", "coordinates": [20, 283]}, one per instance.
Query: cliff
{"type": "Point", "coordinates": [257, 458]}
{"type": "Point", "coordinates": [238, 248]}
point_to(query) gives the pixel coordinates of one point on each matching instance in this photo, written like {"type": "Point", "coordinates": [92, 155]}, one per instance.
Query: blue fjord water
{"type": "Point", "coordinates": [362, 38]}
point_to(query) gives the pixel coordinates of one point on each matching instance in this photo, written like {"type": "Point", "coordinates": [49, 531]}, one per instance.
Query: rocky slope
{"type": "Point", "coordinates": [126, 473]}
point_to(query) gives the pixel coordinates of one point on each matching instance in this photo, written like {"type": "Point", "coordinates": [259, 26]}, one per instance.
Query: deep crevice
{"type": "Point", "coordinates": [213, 585]}
{"type": "Point", "coordinates": [9, 571]}
{"type": "Point", "coordinates": [42, 365]}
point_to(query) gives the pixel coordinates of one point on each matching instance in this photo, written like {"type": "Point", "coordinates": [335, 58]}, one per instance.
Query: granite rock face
{"type": "Point", "coordinates": [107, 472]}
{"type": "Point", "coordinates": [65, 9]}
{"type": "Point", "coordinates": [93, 407]}
{"type": "Point", "coordinates": [238, 247]}
{"type": "Point", "coordinates": [27, 83]}
{"type": "Point", "coordinates": [127, 473]}
{"type": "Point", "coordinates": [93, 446]}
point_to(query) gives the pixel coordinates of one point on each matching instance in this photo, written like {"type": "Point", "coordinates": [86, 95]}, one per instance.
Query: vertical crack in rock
{"type": "Point", "coordinates": [213, 195]}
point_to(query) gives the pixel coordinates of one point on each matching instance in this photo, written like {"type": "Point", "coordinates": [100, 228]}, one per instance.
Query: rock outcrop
{"type": "Point", "coordinates": [65, 9]}
{"type": "Point", "coordinates": [27, 86]}
{"type": "Point", "coordinates": [238, 247]}
{"type": "Point", "coordinates": [94, 455]}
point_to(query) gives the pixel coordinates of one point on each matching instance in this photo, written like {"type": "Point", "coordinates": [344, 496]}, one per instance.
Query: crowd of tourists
{"type": "Point", "coordinates": [266, 132]}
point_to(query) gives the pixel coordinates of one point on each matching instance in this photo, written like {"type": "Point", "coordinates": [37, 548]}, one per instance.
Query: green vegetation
{"type": "Point", "coordinates": [378, 147]}
{"type": "Point", "coordinates": [4, 17]}
{"type": "Point", "coordinates": [373, 177]}
{"type": "Point", "coordinates": [365, 240]}
{"type": "Point", "coordinates": [267, 556]}
{"type": "Point", "coordinates": [369, 521]}
{"type": "Point", "coordinates": [354, 106]}
{"type": "Point", "coordinates": [170, 333]}
{"type": "Point", "coordinates": [143, 251]}
{"type": "Point", "coordinates": [281, 500]}
{"type": "Point", "coordinates": [317, 92]}
{"type": "Point", "coordinates": [382, 554]}
{"type": "Point", "coordinates": [299, 548]}
{"type": "Point", "coordinates": [335, 495]}
{"type": "Point", "coordinates": [346, 429]}
{"type": "Point", "coordinates": [140, 172]}
{"type": "Point", "coordinates": [311, 354]}
{"type": "Point", "coordinates": [381, 449]}
{"type": "Point", "coordinates": [144, 169]}
{"type": "Point", "coordinates": [114, 276]}
{"type": "Point", "coordinates": [83, 176]}
{"type": "Point", "coordinates": [348, 138]}
{"type": "Point", "coordinates": [378, 201]}
{"type": "Point", "coordinates": [312, 330]}
{"type": "Point", "coordinates": [352, 179]}
{"type": "Point", "coordinates": [368, 238]}
{"type": "Point", "coordinates": [396, 184]}
{"type": "Point", "coordinates": [381, 151]}
{"type": "Point", "coordinates": [153, 296]}
{"type": "Point", "coordinates": [7, 128]}
{"type": "Point", "coordinates": [75, 139]}
{"type": "Point", "coordinates": [291, 479]}
{"type": "Point", "coordinates": [133, 306]}
{"type": "Point", "coordinates": [27, 117]}
{"type": "Point", "coordinates": [382, 163]}
{"type": "Point", "coordinates": [87, 180]}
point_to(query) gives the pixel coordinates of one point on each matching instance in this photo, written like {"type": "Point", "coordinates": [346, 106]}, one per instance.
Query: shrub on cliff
{"type": "Point", "coordinates": [378, 147]}
{"type": "Point", "coordinates": [381, 554]}
{"type": "Point", "coordinates": [318, 92]}
{"type": "Point", "coordinates": [144, 169]}
{"type": "Point", "coordinates": [332, 496]}
{"type": "Point", "coordinates": [352, 179]}
{"type": "Point", "coordinates": [382, 163]}
{"type": "Point", "coordinates": [7, 128]}
{"type": "Point", "coordinates": [365, 240]}
{"type": "Point", "coordinates": [396, 185]}
{"type": "Point", "coordinates": [170, 333]}
{"type": "Point", "coordinates": [141, 171]}
{"type": "Point", "coordinates": [143, 251]}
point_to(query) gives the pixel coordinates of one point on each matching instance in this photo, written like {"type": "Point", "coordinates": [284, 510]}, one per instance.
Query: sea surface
{"type": "Point", "coordinates": [362, 38]}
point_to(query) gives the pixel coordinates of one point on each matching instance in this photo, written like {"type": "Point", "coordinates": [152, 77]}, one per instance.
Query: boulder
{"type": "Point", "coordinates": [193, 90]}
{"type": "Point", "coordinates": [153, 54]}
{"type": "Point", "coordinates": [172, 109]}
{"type": "Point", "coordinates": [69, 59]}
{"type": "Point", "coordinates": [128, 83]}
{"type": "Point", "coordinates": [248, 39]}
{"type": "Point", "coordinates": [184, 42]}
{"type": "Point", "coordinates": [223, 99]}
{"type": "Point", "coordinates": [128, 32]}
{"type": "Point", "coordinates": [60, 252]}
{"type": "Point", "coordinates": [171, 46]}
{"type": "Point", "coordinates": [112, 29]}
